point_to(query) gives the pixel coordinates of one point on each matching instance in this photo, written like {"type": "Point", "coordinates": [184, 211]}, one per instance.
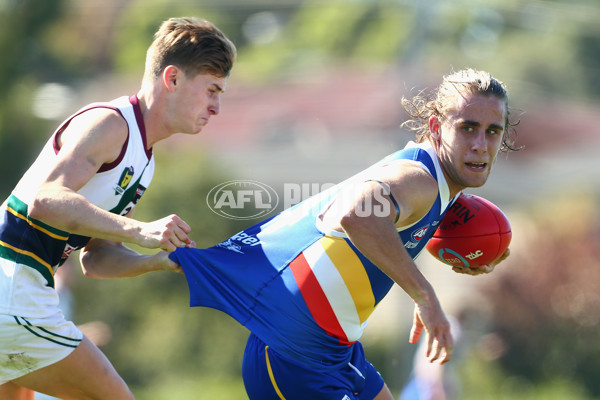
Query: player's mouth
{"type": "Point", "coordinates": [477, 166]}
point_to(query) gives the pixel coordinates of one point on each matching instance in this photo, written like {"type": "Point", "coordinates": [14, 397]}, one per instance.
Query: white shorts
{"type": "Point", "coordinates": [28, 344]}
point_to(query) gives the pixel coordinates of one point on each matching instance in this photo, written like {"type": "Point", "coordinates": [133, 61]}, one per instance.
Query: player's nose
{"type": "Point", "coordinates": [479, 142]}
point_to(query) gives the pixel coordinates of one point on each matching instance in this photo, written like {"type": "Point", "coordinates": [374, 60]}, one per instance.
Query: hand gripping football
{"type": "Point", "coordinates": [473, 232]}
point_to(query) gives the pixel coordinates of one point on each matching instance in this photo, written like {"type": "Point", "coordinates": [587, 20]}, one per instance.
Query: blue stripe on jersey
{"type": "Point", "coordinates": [380, 282]}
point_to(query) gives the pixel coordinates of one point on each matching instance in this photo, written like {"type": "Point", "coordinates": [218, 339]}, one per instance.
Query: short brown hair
{"type": "Point", "coordinates": [442, 100]}
{"type": "Point", "coordinates": [193, 44]}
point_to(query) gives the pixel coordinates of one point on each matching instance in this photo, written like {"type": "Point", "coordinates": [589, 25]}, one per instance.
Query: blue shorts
{"type": "Point", "coordinates": [270, 376]}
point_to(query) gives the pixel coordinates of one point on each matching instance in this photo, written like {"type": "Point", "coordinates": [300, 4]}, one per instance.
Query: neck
{"type": "Point", "coordinates": [150, 107]}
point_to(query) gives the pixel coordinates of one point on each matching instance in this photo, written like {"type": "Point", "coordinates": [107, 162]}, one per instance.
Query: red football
{"type": "Point", "coordinates": [473, 232]}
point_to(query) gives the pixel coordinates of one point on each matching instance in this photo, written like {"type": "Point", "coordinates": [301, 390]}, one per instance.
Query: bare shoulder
{"type": "Point", "coordinates": [413, 188]}
{"type": "Point", "coordinates": [99, 130]}
{"type": "Point", "coordinates": [406, 175]}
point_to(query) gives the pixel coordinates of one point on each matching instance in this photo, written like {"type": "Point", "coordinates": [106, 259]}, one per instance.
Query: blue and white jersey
{"type": "Point", "coordinates": [305, 291]}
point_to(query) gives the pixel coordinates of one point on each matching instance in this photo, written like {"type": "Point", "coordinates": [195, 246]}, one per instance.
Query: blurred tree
{"type": "Point", "coordinates": [588, 53]}
{"type": "Point", "coordinates": [25, 63]}
{"type": "Point", "coordinates": [137, 29]}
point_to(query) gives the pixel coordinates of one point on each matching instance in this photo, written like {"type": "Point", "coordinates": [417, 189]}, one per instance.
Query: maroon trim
{"type": "Point", "coordinates": [137, 110]}
{"type": "Point", "coordinates": [66, 123]}
{"type": "Point", "coordinates": [104, 167]}
{"type": "Point", "coordinates": [108, 166]}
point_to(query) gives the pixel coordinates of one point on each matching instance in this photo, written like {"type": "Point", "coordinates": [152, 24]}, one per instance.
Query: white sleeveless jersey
{"type": "Point", "coordinates": [30, 250]}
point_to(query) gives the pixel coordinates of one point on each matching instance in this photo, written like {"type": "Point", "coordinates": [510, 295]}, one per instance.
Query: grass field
{"type": "Point", "coordinates": [482, 380]}
{"type": "Point", "coordinates": [189, 388]}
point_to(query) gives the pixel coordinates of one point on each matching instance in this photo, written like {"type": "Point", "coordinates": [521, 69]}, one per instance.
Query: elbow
{"type": "Point", "coordinates": [51, 208]}
{"type": "Point", "coordinates": [86, 261]}
{"type": "Point", "coordinates": [88, 273]}
{"type": "Point", "coordinates": [351, 222]}
{"type": "Point", "coordinates": [43, 208]}
{"type": "Point", "coordinates": [39, 208]}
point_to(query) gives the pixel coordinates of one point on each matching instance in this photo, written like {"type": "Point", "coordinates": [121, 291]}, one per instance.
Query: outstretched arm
{"type": "Point", "coordinates": [108, 259]}
{"type": "Point", "coordinates": [102, 258]}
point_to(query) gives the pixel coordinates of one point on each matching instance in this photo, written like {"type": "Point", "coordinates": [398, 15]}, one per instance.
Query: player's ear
{"type": "Point", "coordinates": [170, 76]}
{"type": "Point", "coordinates": [435, 128]}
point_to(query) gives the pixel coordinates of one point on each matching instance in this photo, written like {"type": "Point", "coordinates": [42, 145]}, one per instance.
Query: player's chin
{"type": "Point", "coordinates": [194, 132]}
{"type": "Point", "coordinates": [198, 128]}
{"type": "Point", "coordinates": [477, 180]}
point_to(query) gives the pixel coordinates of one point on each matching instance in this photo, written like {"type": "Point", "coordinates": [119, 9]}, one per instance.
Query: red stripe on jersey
{"type": "Point", "coordinates": [315, 299]}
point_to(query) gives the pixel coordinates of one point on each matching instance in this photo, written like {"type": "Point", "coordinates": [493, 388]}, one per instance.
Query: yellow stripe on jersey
{"type": "Point", "coordinates": [39, 228]}
{"type": "Point", "coordinates": [353, 273]}
{"type": "Point", "coordinates": [30, 254]}
{"type": "Point", "coordinates": [336, 291]}
{"type": "Point", "coordinates": [271, 376]}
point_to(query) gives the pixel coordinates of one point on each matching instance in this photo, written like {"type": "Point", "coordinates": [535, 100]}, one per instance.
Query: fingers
{"type": "Point", "coordinates": [482, 269]}
{"type": "Point", "coordinates": [440, 347]}
{"type": "Point", "coordinates": [430, 344]}
{"type": "Point", "coordinates": [416, 330]}
{"type": "Point", "coordinates": [175, 233]}
{"type": "Point", "coordinates": [167, 234]}
{"type": "Point", "coordinates": [459, 270]}
{"type": "Point", "coordinates": [162, 262]}
{"type": "Point", "coordinates": [181, 230]}
{"type": "Point", "coordinates": [503, 257]}
{"type": "Point", "coordinates": [176, 268]}
{"type": "Point", "coordinates": [440, 344]}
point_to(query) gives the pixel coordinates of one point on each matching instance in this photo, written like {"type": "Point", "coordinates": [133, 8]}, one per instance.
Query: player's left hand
{"type": "Point", "coordinates": [440, 344]}
{"type": "Point", "coordinates": [482, 269]}
{"type": "Point", "coordinates": [162, 262]}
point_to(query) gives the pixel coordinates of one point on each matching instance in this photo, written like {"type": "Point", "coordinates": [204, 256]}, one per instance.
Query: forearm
{"type": "Point", "coordinates": [105, 259]}
{"type": "Point", "coordinates": [379, 242]}
{"type": "Point", "coordinates": [69, 211]}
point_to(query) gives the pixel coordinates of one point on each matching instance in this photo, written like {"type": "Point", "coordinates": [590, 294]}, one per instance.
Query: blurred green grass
{"type": "Point", "coordinates": [196, 388]}
{"type": "Point", "coordinates": [483, 380]}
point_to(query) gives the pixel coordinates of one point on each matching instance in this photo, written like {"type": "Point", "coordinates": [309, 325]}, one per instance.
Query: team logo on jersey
{"type": "Point", "coordinates": [124, 180]}
{"type": "Point", "coordinates": [230, 245]}
{"type": "Point", "coordinates": [419, 233]}
{"type": "Point", "coordinates": [68, 250]}
{"type": "Point", "coordinates": [416, 236]}
{"type": "Point", "coordinates": [139, 192]}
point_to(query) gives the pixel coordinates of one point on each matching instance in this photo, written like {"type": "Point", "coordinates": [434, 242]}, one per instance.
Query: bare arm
{"type": "Point", "coordinates": [102, 258]}
{"type": "Point", "coordinates": [107, 259]}
{"type": "Point", "coordinates": [92, 139]}
{"type": "Point", "coordinates": [375, 235]}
